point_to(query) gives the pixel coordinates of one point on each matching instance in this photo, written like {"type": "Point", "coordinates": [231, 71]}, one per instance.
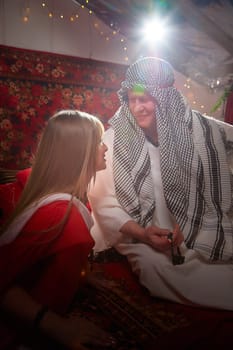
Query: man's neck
{"type": "Point", "coordinates": [152, 136]}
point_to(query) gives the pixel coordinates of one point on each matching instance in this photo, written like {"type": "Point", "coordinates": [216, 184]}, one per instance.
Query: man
{"type": "Point", "coordinates": [165, 199]}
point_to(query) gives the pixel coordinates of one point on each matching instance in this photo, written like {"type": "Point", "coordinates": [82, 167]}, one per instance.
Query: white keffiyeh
{"type": "Point", "coordinates": [194, 170]}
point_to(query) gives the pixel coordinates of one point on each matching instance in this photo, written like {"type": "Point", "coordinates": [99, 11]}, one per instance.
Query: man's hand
{"type": "Point", "coordinates": [158, 237]}
{"type": "Point", "coordinates": [177, 236]}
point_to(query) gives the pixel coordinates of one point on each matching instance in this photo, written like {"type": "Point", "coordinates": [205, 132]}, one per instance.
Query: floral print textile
{"type": "Point", "coordinates": [34, 85]}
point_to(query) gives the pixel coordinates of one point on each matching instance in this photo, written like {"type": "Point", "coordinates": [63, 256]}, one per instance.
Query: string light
{"type": "Point", "coordinates": [107, 34]}
{"type": "Point", "coordinates": [25, 19]}
{"type": "Point", "coordinates": [188, 85]}
{"type": "Point", "coordinates": [26, 13]}
{"type": "Point", "coordinates": [51, 14]}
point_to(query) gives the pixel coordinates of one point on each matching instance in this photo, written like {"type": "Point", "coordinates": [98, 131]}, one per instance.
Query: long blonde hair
{"type": "Point", "coordinates": [65, 160]}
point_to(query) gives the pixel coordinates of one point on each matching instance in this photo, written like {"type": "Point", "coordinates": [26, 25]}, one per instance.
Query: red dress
{"type": "Point", "coordinates": [49, 265]}
{"type": "Point", "coordinates": [10, 192]}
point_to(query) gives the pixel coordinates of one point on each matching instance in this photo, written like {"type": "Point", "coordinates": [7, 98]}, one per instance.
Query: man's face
{"type": "Point", "coordinates": [142, 106]}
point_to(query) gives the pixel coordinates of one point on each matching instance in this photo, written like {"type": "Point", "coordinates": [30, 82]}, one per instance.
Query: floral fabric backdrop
{"type": "Point", "coordinates": [34, 85]}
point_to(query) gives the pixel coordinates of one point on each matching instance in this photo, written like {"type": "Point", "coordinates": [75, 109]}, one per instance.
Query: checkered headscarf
{"type": "Point", "coordinates": [190, 145]}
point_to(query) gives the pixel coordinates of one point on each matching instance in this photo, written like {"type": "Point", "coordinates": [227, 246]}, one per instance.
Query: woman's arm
{"type": "Point", "coordinates": [74, 332]}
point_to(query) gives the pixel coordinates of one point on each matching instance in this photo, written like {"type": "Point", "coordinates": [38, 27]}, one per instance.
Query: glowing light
{"type": "Point", "coordinates": [154, 30]}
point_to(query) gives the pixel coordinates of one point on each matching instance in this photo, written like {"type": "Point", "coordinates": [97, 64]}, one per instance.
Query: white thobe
{"type": "Point", "coordinates": [196, 282]}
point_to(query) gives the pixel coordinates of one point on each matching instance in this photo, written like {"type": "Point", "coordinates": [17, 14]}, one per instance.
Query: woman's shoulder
{"type": "Point", "coordinates": [49, 220]}
{"type": "Point", "coordinates": [54, 211]}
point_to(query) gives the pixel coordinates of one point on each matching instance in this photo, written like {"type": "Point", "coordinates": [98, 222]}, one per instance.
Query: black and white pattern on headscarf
{"type": "Point", "coordinates": [195, 174]}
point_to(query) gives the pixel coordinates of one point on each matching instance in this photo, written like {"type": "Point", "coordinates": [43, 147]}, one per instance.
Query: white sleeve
{"type": "Point", "coordinates": [107, 212]}
{"type": "Point", "coordinates": [228, 128]}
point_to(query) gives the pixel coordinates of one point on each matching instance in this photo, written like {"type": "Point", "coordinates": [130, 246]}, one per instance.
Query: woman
{"type": "Point", "coordinates": [45, 243]}
{"type": "Point", "coordinates": [165, 197]}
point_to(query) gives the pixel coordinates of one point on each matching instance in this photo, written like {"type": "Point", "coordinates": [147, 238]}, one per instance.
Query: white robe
{"type": "Point", "coordinates": [196, 282]}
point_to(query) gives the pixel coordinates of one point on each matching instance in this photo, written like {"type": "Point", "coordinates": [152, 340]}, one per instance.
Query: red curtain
{"type": "Point", "coordinates": [34, 85]}
{"type": "Point", "coordinates": [229, 109]}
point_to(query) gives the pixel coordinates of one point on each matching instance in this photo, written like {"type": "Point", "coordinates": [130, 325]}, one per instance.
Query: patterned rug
{"type": "Point", "coordinates": [114, 299]}
{"type": "Point", "coordinates": [134, 319]}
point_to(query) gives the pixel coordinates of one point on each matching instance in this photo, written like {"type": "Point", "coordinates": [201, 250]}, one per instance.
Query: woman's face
{"type": "Point", "coordinates": [142, 106]}
{"type": "Point", "coordinates": [100, 156]}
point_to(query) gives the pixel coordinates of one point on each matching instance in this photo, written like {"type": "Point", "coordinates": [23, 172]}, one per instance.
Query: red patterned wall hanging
{"type": "Point", "coordinates": [34, 85]}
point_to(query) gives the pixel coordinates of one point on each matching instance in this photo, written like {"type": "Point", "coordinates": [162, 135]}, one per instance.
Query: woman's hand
{"type": "Point", "coordinates": [75, 333]}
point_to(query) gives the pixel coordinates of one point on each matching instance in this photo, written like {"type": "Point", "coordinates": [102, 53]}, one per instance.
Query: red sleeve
{"type": "Point", "coordinates": [10, 193]}
{"type": "Point", "coordinates": [22, 176]}
{"type": "Point", "coordinates": [48, 264]}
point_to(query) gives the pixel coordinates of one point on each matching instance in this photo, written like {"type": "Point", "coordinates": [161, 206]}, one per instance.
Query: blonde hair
{"type": "Point", "coordinates": [65, 160]}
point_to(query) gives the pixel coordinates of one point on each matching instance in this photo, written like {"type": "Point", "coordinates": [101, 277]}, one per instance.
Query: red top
{"type": "Point", "coordinates": [48, 264]}
{"type": "Point", "coordinates": [10, 192]}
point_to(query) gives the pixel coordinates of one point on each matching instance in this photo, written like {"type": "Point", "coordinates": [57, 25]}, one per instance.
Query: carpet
{"type": "Point", "coordinates": [114, 299]}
